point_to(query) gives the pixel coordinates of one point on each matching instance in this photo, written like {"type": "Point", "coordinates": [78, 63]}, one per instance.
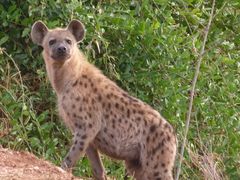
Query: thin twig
{"type": "Point", "coordinates": [193, 90]}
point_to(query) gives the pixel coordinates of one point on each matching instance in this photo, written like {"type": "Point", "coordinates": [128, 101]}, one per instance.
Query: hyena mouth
{"type": "Point", "coordinates": [60, 57]}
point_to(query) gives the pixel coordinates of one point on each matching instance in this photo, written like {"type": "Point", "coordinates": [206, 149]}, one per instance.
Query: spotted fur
{"type": "Point", "coordinates": [102, 116]}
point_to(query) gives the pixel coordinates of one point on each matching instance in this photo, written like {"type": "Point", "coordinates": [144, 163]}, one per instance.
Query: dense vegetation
{"type": "Point", "coordinates": [150, 48]}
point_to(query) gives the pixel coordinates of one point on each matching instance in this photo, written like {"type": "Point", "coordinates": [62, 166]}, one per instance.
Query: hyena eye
{"type": "Point", "coordinates": [69, 41]}
{"type": "Point", "coordinates": [51, 42]}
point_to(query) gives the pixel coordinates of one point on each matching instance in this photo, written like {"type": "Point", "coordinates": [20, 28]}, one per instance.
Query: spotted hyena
{"type": "Point", "coordinates": [100, 115]}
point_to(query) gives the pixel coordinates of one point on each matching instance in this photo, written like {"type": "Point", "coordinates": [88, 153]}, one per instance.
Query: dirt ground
{"type": "Point", "coordinates": [23, 166]}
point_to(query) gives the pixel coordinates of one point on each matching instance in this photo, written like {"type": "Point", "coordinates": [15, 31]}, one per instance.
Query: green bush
{"type": "Point", "coordinates": [150, 49]}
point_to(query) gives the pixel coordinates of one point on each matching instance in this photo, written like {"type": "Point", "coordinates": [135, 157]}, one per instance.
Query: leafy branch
{"type": "Point", "coordinates": [194, 82]}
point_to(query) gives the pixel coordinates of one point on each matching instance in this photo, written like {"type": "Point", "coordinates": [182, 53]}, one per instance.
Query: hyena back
{"type": "Point", "coordinates": [100, 114]}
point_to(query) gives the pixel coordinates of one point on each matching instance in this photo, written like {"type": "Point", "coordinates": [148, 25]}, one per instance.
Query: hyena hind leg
{"type": "Point", "coordinates": [134, 168]}
{"type": "Point", "coordinates": [158, 160]}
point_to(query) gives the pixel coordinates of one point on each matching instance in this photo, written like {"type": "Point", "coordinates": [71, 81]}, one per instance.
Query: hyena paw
{"type": "Point", "coordinates": [66, 164]}
{"type": "Point", "coordinates": [103, 177]}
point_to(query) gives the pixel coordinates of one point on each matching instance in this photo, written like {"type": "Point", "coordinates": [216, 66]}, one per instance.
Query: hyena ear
{"type": "Point", "coordinates": [77, 29]}
{"type": "Point", "coordinates": [39, 30]}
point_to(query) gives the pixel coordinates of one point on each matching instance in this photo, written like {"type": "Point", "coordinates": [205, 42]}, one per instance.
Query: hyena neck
{"type": "Point", "coordinates": [60, 75]}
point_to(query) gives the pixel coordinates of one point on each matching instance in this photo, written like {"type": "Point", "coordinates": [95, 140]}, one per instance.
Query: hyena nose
{"type": "Point", "coordinates": [61, 49]}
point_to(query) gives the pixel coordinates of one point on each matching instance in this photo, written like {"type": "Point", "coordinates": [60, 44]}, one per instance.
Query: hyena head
{"type": "Point", "coordinates": [58, 44]}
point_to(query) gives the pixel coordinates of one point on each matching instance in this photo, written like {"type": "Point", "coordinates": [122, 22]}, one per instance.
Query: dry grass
{"type": "Point", "coordinates": [4, 126]}
{"type": "Point", "coordinates": [209, 164]}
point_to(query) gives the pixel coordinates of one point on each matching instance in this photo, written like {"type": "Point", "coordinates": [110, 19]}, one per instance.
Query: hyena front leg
{"type": "Point", "coordinates": [96, 163]}
{"type": "Point", "coordinates": [81, 142]}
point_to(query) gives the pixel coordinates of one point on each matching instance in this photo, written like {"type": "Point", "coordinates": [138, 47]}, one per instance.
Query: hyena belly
{"type": "Point", "coordinates": [116, 143]}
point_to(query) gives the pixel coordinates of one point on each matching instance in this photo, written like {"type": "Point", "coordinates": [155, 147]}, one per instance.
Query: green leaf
{"type": "Point", "coordinates": [161, 2]}
{"type": "Point", "coordinates": [228, 61]}
{"type": "Point", "coordinates": [4, 39]}
{"type": "Point", "coordinates": [25, 32]}
{"type": "Point", "coordinates": [35, 142]}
